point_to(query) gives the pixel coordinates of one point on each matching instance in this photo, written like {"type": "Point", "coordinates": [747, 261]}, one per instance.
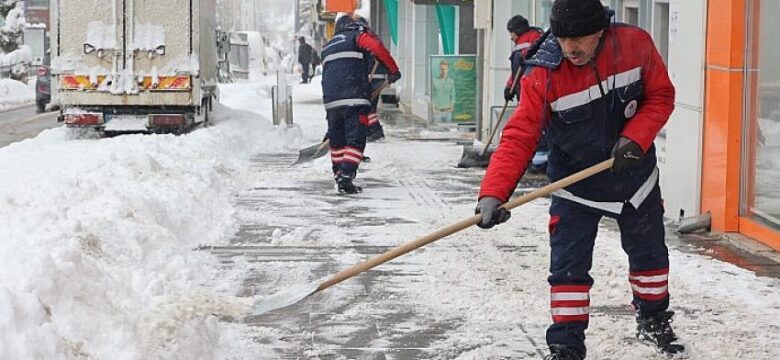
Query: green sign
{"type": "Point", "coordinates": [453, 88]}
{"type": "Point", "coordinates": [446, 17]}
{"type": "Point", "coordinates": [391, 8]}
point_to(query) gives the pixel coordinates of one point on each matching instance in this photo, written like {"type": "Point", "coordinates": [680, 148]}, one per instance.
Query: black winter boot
{"type": "Point", "coordinates": [375, 133]}
{"type": "Point", "coordinates": [656, 329]}
{"type": "Point", "coordinates": [562, 352]}
{"type": "Point", "coordinates": [344, 185]}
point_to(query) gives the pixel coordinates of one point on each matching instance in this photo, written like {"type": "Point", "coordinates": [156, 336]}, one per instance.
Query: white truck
{"type": "Point", "coordinates": [130, 65]}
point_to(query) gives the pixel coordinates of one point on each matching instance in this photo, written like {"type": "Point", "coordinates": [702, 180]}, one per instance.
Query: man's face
{"type": "Point", "coordinates": [513, 36]}
{"type": "Point", "coordinates": [444, 68]}
{"type": "Point", "coordinates": [580, 50]}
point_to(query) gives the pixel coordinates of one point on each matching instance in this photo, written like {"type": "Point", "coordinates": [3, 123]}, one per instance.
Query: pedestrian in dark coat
{"type": "Point", "coordinates": [304, 58]}
{"type": "Point", "coordinates": [600, 90]}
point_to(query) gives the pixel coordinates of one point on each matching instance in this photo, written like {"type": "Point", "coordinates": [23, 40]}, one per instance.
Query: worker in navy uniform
{"type": "Point", "coordinates": [599, 90]}
{"type": "Point", "coordinates": [346, 94]}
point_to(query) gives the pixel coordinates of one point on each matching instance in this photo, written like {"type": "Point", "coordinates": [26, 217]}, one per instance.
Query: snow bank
{"type": "Point", "coordinates": [15, 19]}
{"type": "Point", "coordinates": [98, 239]}
{"type": "Point", "coordinates": [14, 93]}
{"type": "Point", "coordinates": [23, 54]}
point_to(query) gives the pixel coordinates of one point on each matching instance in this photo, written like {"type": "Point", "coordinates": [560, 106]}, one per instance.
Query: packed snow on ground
{"type": "Point", "coordinates": [99, 237]}
{"type": "Point", "coordinates": [14, 94]}
{"type": "Point", "coordinates": [724, 312]}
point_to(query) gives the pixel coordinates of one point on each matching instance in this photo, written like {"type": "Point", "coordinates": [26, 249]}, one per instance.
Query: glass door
{"type": "Point", "coordinates": [760, 200]}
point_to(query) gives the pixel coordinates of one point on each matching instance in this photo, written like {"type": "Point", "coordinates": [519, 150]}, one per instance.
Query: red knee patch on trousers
{"type": "Point", "coordinates": [554, 220]}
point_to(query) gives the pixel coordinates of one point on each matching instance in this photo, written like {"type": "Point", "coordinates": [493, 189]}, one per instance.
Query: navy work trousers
{"type": "Point", "coordinates": [573, 229]}
{"type": "Point", "coordinates": [347, 134]}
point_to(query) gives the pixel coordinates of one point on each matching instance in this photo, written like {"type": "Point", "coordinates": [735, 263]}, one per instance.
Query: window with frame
{"type": "Point", "coordinates": [760, 198]}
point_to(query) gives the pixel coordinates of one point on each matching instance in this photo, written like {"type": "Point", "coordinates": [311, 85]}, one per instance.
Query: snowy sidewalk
{"type": "Point", "coordinates": [475, 295]}
{"type": "Point", "coordinates": [150, 246]}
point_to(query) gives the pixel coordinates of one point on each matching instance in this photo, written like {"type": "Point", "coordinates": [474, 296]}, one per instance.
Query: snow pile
{"type": "Point", "coordinates": [15, 19]}
{"type": "Point", "coordinates": [22, 54]}
{"type": "Point", "coordinates": [98, 239]}
{"type": "Point", "coordinates": [14, 93]}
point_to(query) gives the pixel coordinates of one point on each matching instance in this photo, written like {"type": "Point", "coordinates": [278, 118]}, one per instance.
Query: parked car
{"type": "Point", "coordinates": [43, 88]}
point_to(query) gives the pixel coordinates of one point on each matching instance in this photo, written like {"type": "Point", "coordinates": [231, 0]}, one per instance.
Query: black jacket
{"type": "Point", "coordinates": [304, 53]}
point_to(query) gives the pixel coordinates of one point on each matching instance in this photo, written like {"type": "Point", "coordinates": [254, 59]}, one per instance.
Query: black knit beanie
{"type": "Point", "coordinates": [517, 24]}
{"type": "Point", "coordinates": [575, 18]}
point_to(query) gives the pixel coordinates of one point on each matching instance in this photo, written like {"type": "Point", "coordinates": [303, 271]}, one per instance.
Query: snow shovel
{"type": "Point", "coordinates": [313, 152]}
{"type": "Point", "coordinates": [475, 157]}
{"type": "Point", "coordinates": [295, 294]}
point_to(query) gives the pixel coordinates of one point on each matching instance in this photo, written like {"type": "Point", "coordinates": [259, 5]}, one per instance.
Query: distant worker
{"type": "Point", "coordinates": [346, 95]}
{"type": "Point", "coordinates": [377, 77]}
{"type": "Point", "coordinates": [523, 37]}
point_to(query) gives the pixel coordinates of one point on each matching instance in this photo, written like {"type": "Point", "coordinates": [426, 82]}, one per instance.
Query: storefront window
{"type": "Point", "coordinates": [37, 3]}
{"type": "Point", "coordinates": [543, 11]}
{"type": "Point", "coordinates": [761, 139]}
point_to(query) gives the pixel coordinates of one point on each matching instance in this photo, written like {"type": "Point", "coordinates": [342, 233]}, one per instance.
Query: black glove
{"type": "Point", "coordinates": [627, 154]}
{"type": "Point", "coordinates": [492, 215]}
{"type": "Point", "coordinates": [509, 94]}
{"type": "Point", "coordinates": [394, 77]}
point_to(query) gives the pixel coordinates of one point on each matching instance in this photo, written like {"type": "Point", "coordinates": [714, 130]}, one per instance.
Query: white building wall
{"type": "Point", "coordinates": [680, 152]}
{"type": "Point", "coordinates": [414, 23]}
{"type": "Point", "coordinates": [404, 55]}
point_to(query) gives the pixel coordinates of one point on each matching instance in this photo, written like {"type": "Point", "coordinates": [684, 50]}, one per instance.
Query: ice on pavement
{"type": "Point", "coordinates": [98, 251]}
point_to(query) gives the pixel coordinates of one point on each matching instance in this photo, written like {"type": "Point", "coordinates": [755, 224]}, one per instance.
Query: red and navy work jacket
{"type": "Point", "coordinates": [345, 70]}
{"type": "Point", "coordinates": [377, 71]}
{"type": "Point", "coordinates": [625, 91]}
{"type": "Point", "coordinates": [519, 52]}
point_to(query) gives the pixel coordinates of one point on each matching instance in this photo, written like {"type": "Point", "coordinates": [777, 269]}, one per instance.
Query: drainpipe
{"type": "Point", "coordinates": [480, 77]}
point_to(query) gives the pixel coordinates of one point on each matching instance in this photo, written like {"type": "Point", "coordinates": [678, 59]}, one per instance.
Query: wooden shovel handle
{"type": "Point", "coordinates": [500, 117]}
{"type": "Point", "coordinates": [324, 144]}
{"type": "Point", "coordinates": [460, 225]}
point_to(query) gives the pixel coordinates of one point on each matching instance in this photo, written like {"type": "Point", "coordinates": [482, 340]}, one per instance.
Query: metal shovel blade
{"type": "Point", "coordinates": [475, 156]}
{"type": "Point", "coordinates": [283, 298]}
{"type": "Point", "coordinates": [312, 152]}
